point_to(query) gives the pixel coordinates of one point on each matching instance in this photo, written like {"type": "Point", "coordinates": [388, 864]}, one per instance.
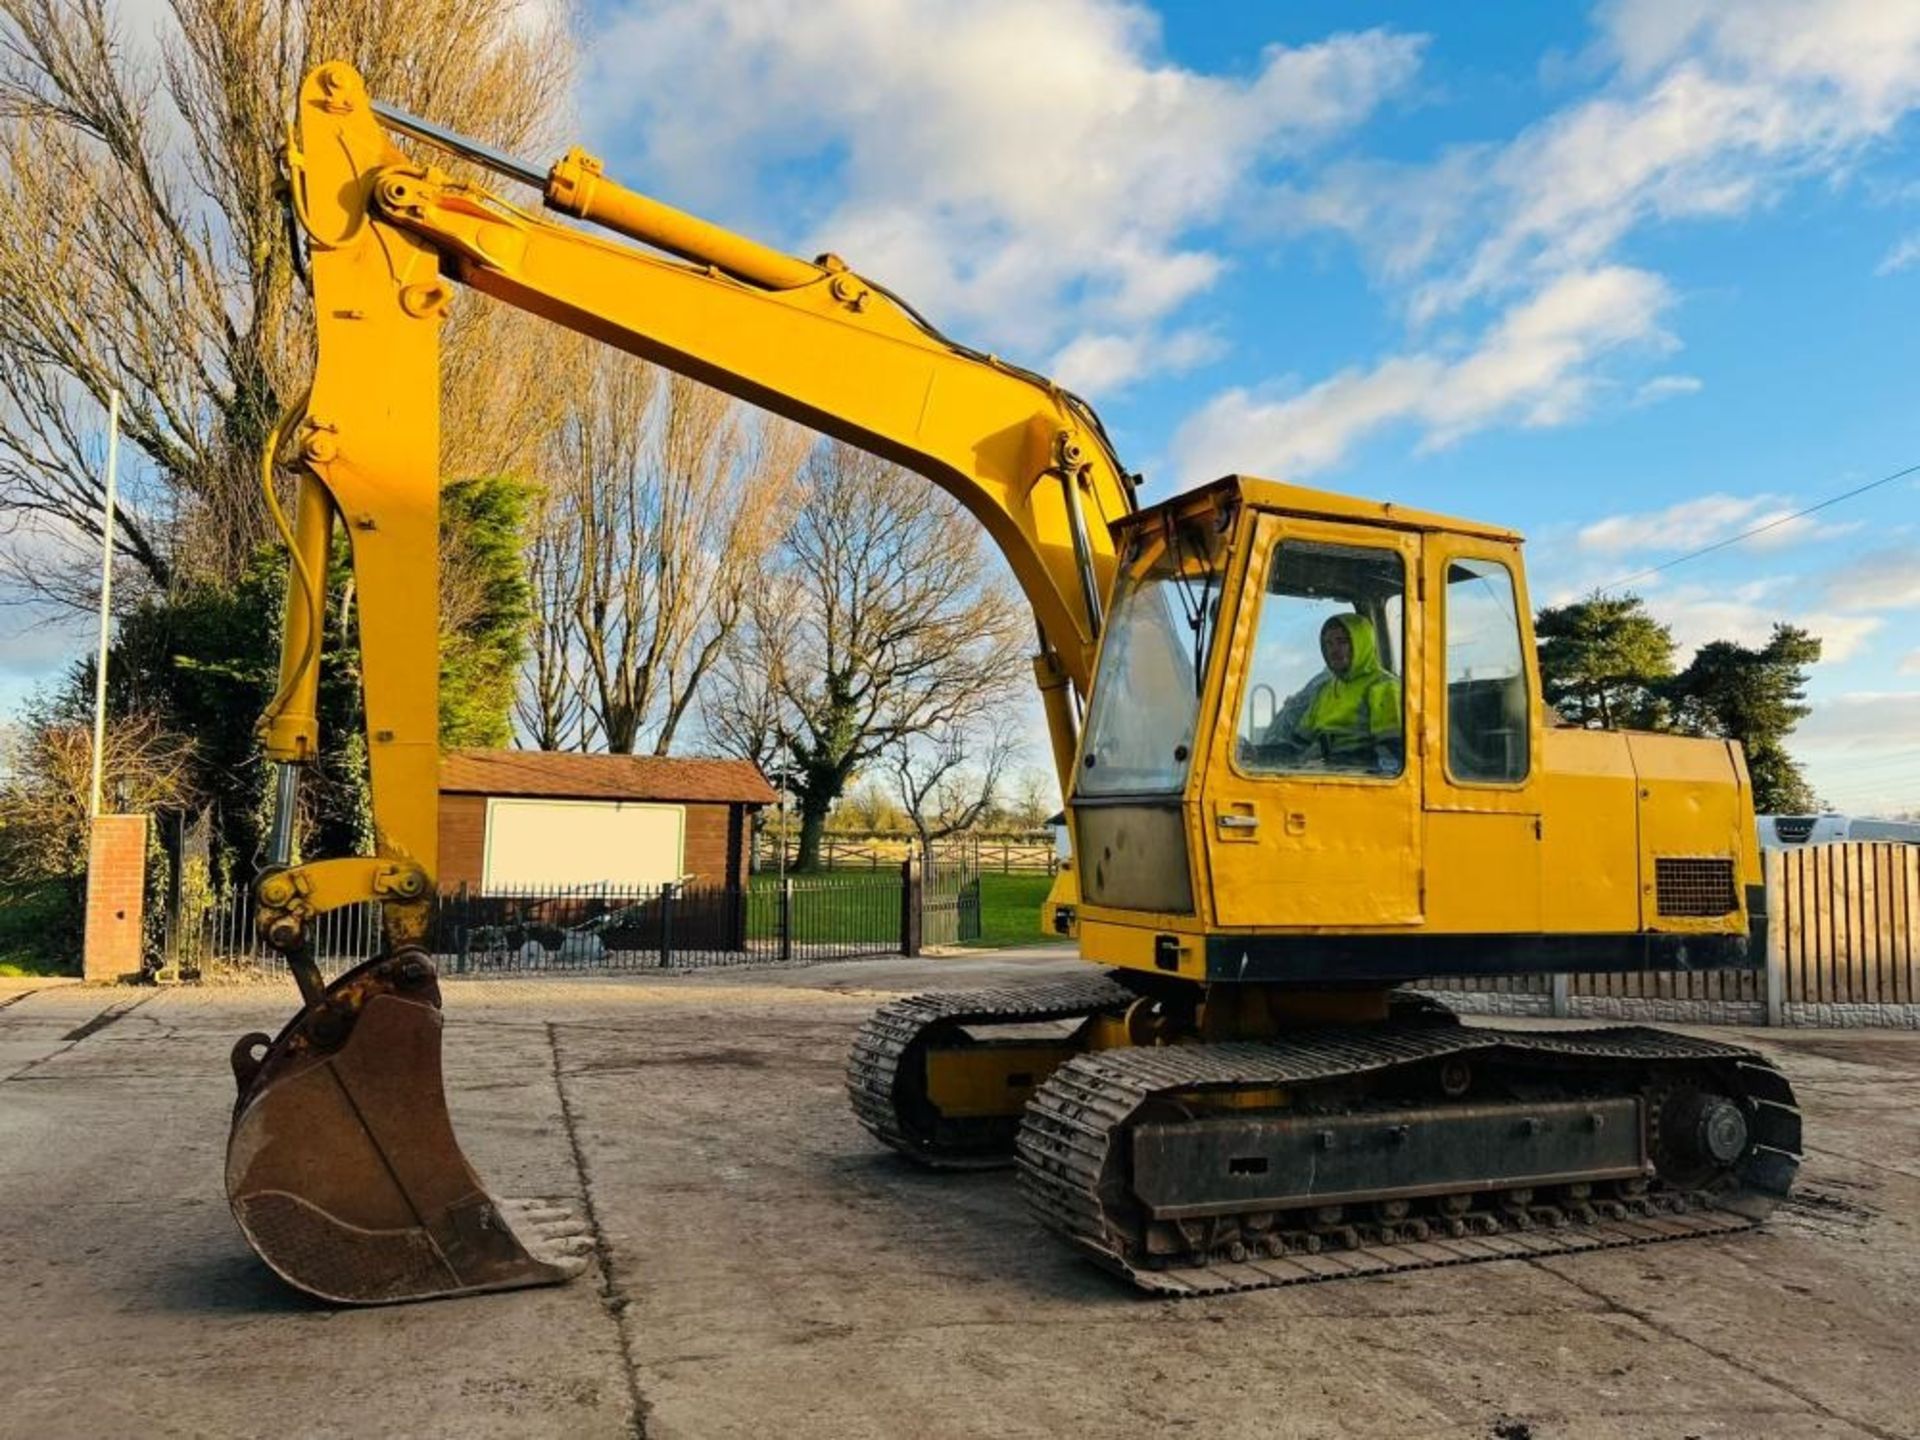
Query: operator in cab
{"type": "Point", "coordinates": [1348, 716]}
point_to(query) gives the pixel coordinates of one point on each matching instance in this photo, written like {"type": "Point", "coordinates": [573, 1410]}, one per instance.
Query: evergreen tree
{"type": "Point", "coordinates": [1755, 696]}
{"type": "Point", "coordinates": [486, 607]}
{"type": "Point", "coordinates": [1603, 662]}
{"type": "Point", "coordinates": [205, 657]}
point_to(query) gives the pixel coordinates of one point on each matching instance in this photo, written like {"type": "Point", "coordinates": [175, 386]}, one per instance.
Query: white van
{"type": "Point", "coordinates": [1784, 832]}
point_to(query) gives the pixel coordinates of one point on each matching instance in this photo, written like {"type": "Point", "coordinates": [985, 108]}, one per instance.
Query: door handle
{"type": "Point", "coordinates": [1238, 822]}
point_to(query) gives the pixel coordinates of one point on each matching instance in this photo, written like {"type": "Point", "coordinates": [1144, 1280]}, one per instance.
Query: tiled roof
{"type": "Point", "coordinates": [603, 777]}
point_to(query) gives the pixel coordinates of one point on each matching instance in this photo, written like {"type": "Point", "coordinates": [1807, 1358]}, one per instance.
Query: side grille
{"type": "Point", "coordinates": [1793, 829]}
{"type": "Point", "coordinates": [1694, 887]}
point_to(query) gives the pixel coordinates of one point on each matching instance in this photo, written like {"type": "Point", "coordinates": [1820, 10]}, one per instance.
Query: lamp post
{"type": "Point", "coordinates": [106, 608]}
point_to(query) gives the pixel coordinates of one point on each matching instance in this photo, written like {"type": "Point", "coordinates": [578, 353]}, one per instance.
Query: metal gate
{"type": "Point", "coordinates": [950, 895]}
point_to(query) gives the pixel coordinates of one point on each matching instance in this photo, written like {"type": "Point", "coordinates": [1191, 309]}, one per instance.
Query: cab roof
{"type": "Point", "coordinates": [1324, 505]}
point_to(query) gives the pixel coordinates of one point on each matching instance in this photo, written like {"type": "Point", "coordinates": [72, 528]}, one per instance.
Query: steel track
{"type": "Point", "coordinates": [903, 1027]}
{"type": "Point", "coordinates": [1072, 1166]}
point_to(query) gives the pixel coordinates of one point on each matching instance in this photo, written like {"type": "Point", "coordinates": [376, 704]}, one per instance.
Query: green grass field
{"type": "Point", "coordinates": [832, 906]}
{"type": "Point", "coordinates": [33, 920]}
{"type": "Point", "coordinates": [1010, 909]}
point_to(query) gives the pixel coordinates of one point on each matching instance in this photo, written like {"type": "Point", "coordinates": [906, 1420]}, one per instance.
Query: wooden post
{"type": "Point", "coordinates": [1906, 921]}
{"type": "Point", "coordinates": [1777, 920]}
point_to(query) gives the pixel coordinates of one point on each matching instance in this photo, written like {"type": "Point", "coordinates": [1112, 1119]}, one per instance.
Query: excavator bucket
{"type": "Point", "coordinates": [342, 1166]}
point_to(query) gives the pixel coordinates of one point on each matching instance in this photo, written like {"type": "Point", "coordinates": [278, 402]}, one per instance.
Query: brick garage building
{"type": "Point", "coordinates": [526, 820]}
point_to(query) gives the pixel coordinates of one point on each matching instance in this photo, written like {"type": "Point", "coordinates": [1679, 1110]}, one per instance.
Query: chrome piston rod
{"type": "Point", "coordinates": [478, 151]}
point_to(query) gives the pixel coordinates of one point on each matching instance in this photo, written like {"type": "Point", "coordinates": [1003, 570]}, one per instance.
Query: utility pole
{"type": "Point", "coordinates": [106, 607]}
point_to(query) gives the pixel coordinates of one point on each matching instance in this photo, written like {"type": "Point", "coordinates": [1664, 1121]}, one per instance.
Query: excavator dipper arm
{"type": "Point", "coordinates": [343, 1170]}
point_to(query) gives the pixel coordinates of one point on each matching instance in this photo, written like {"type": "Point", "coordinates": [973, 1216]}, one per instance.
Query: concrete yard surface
{"type": "Point", "coordinates": [765, 1269]}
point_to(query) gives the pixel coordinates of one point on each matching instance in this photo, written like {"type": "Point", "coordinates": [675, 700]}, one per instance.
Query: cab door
{"type": "Point", "coordinates": [1481, 740]}
{"type": "Point", "coordinates": [1311, 801]}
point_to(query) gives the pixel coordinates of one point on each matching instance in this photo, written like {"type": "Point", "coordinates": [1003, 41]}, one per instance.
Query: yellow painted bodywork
{"type": "Point", "coordinates": [998, 1079]}
{"type": "Point", "coordinates": [1569, 850]}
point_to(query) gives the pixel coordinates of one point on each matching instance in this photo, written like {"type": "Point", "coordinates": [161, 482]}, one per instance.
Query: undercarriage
{"type": "Point", "coordinates": [1320, 1151]}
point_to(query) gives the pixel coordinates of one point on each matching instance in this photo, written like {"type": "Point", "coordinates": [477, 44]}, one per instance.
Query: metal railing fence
{"type": "Point", "coordinates": [834, 915]}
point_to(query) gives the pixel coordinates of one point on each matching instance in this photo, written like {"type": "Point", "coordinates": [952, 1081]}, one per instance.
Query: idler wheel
{"type": "Point", "coordinates": [1702, 1134]}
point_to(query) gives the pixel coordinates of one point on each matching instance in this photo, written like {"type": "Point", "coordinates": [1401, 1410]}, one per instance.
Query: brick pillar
{"type": "Point", "coordinates": [116, 896]}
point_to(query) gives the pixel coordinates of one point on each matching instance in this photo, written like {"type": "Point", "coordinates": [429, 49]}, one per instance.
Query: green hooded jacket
{"type": "Point", "coordinates": [1352, 716]}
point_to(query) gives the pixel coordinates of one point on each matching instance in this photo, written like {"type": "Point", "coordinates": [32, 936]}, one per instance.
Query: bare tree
{"type": "Point", "coordinates": [601, 509]}
{"type": "Point", "coordinates": [552, 704]}
{"type": "Point", "coordinates": [142, 249]}
{"type": "Point", "coordinates": [1035, 797]}
{"type": "Point", "coordinates": [665, 501]}
{"type": "Point", "coordinates": [742, 711]}
{"type": "Point", "coordinates": [902, 629]}
{"type": "Point", "coordinates": [47, 764]}
{"type": "Point", "coordinates": [948, 780]}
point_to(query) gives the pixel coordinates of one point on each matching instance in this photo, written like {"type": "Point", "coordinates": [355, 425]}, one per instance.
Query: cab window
{"type": "Point", "coordinates": [1146, 696]}
{"type": "Point", "coordinates": [1486, 675]}
{"type": "Point", "coordinates": [1323, 692]}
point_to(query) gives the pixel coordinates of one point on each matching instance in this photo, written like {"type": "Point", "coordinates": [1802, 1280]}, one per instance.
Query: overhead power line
{"type": "Point", "coordinates": [1773, 524]}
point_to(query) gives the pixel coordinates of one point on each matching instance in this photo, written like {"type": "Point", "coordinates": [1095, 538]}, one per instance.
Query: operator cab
{"type": "Point", "coordinates": [1254, 758]}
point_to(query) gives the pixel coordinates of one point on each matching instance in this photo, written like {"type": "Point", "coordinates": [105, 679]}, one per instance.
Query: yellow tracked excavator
{"type": "Point", "coordinates": [1301, 740]}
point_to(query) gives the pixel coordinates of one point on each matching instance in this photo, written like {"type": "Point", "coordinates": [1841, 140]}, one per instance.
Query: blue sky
{"type": "Point", "coordinates": [1631, 278]}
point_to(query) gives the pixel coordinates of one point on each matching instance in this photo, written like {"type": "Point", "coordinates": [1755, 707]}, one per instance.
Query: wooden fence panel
{"type": "Point", "coordinates": [1846, 914]}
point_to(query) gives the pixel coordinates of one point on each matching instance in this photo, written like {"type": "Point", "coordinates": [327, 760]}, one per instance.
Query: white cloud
{"type": "Point", "coordinates": [1101, 364]}
{"type": "Point", "coordinates": [1910, 663]}
{"type": "Point", "coordinates": [38, 641]}
{"type": "Point", "coordinates": [1709, 520]}
{"type": "Point", "coordinates": [1747, 614]}
{"type": "Point", "coordinates": [1880, 580]}
{"type": "Point", "coordinates": [1703, 110]}
{"type": "Point", "coordinates": [39, 636]}
{"type": "Point", "coordinates": [1032, 174]}
{"type": "Point", "coordinates": [1665, 387]}
{"type": "Point", "coordinates": [1699, 521]}
{"type": "Point", "coordinates": [1782, 529]}
{"type": "Point", "coordinates": [1905, 252]}
{"type": "Point", "coordinates": [1863, 55]}
{"type": "Point", "coordinates": [1714, 107]}
{"type": "Point", "coordinates": [1861, 751]}
{"type": "Point", "coordinates": [1863, 719]}
{"type": "Point", "coordinates": [1528, 368]}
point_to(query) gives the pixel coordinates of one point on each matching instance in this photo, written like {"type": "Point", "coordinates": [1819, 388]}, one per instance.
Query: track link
{"type": "Point", "coordinates": [882, 1066]}
{"type": "Point", "coordinates": [1074, 1167]}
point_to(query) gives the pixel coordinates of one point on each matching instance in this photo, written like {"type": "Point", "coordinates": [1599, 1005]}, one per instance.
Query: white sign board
{"type": "Point", "coordinates": [581, 844]}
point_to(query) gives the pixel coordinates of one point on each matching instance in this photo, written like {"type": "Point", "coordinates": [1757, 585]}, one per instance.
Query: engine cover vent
{"type": "Point", "coordinates": [1692, 887]}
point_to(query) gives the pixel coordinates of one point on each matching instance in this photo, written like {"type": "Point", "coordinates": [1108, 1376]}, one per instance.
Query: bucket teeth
{"type": "Point", "coordinates": [342, 1166]}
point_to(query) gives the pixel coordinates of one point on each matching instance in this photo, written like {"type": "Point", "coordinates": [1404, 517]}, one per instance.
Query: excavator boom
{"type": "Point", "coordinates": [343, 1169]}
